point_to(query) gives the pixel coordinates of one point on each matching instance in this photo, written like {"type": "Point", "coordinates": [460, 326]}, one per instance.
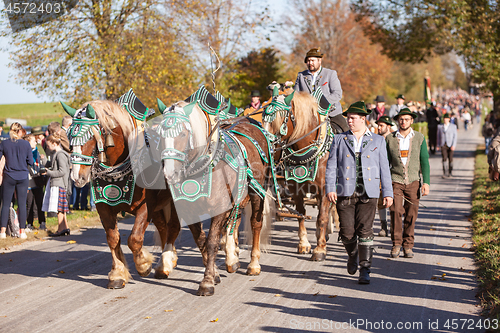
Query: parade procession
{"type": "Point", "coordinates": [307, 203]}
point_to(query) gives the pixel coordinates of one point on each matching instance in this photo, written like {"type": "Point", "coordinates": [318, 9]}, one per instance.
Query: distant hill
{"type": "Point", "coordinates": [36, 114]}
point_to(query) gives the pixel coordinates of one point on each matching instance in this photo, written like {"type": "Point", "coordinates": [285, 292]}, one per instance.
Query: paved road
{"type": "Point", "coordinates": [53, 286]}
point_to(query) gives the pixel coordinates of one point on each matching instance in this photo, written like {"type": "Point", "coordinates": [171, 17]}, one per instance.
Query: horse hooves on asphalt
{"type": "Point", "coordinates": [303, 250]}
{"type": "Point", "coordinates": [160, 275]}
{"type": "Point", "coordinates": [116, 284]}
{"type": "Point", "coordinates": [146, 272]}
{"type": "Point", "coordinates": [217, 279]}
{"type": "Point", "coordinates": [318, 256]}
{"type": "Point", "coordinates": [233, 268]}
{"type": "Point", "coordinates": [253, 271]}
{"type": "Point", "coordinates": [207, 291]}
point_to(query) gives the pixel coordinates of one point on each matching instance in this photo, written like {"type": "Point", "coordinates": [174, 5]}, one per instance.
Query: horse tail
{"type": "Point", "coordinates": [267, 217]}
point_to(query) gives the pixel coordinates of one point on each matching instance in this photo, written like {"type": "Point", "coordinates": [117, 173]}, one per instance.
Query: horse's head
{"type": "Point", "coordinates": [183, 133]}
{"type": "Point", "coordinates": [95, 140]}
{"type": "Point", "coordinates": [276, 113]}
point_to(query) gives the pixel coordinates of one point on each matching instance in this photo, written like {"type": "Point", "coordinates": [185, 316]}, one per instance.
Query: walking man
{"type": "Point", "coordinates": [356, 167]}
{"type": "Point", "coordinates": [395, 108]}
{"type": "Point", "coordinates": [447, 141]}
{"type": "Point", "coordinates": [384, 128]}
{"type": "Point", "coordinates": [318, 77]}
{"type": "Point", "coordinates": [408, 155]}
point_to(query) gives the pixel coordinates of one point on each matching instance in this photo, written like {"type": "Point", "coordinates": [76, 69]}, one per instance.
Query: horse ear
{"type": "Point", "coordinates": [90, 113]}
{"type": "Point", "coordinates": [276, 91]}
{"type": "Point", "coordinates": [288, 99]}
{"type": "Point", "coordinates": [69, 110]}
{"type": "Point", "coordinates": [189, 108]}
{"type": "Point", "coordinates": [161, 106]}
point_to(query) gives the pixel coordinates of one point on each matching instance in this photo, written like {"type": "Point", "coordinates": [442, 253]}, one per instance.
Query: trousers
{"type": "Point", "coordinates": [406, 200]}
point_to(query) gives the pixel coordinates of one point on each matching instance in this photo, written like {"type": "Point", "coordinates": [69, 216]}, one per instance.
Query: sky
{"type": "Point", "coordinates": [12, 93]}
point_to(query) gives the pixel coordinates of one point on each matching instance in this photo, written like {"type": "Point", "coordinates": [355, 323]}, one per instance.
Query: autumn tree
{"type": "Point", "coordinates": [330, 24]}
{"type": "Point", "coordinates": [99, 50]}
{"type": "Point", "coordinates": [412, 30]}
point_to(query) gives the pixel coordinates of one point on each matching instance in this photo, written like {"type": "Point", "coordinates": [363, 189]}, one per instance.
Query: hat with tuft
{"type": "Point", "coordinates": [401, 96]}
{"type": "Point", "coordinates": [405, 112]}
{"type": "Point", "coordinates": [358, 108]}
{"type": "Point", "coordinates": [36, 130]}
{"type": "Point", "coordinates": [386, 120]}
{"type": "Point", "coordinates": [446, 115]}
{"type": "Point", "coordinates": [314, 53]}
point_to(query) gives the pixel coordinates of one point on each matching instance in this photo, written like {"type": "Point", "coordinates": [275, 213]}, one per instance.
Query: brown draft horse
{"type": "Point", "coordinates": [302, 118]}
{"type": "Point", "coordinates": [92, 124]}
{"type": "Point", "coordinates": [185, 135]}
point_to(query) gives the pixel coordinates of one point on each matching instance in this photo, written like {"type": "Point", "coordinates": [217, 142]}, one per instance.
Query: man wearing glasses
{"type": "Point", "coordinates": [408, 155]}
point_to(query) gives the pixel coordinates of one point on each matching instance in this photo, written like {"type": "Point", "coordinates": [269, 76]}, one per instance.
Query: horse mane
{"type": "Point", "coordinates": [304, 108]}
{"type": "Point", "coordinates": [111, 114]}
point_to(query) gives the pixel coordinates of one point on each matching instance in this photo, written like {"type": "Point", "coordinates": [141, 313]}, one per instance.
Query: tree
{"type": "Point", "coordinates": [252, 72]}
{"type": "Point", "coordinates": [330, 24]}
{"type": "Point", "coordinates": [411, 30]}
{"type": "Point", "coordinates": [99, 50]}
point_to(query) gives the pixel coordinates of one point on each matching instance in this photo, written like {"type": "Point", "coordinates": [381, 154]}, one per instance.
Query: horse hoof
{"type": "Point", "coordinates": [303, 250]}
{"type": "Point", "coordinates": [161, 275]}
{"type": "Point", "coordinates": [253, 271]}
{"type": "Point", "coordinates": [233, 268]}
{"type": "Point", "coordinates": [146, 272]}
{"type": "Point", "coordinates": [318, 256]}
{"type": "Point", "coordinates": [217, 279]}
{"type": "Point", "coordinates": [116, 284]}
{"type": "Point", "coordinates": [206, 291]}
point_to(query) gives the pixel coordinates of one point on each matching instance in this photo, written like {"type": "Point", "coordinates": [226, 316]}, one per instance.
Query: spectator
{"type": "Point", "coordinates": [55, 127]}
{"type": "Point", "coordinates": [18, 156]}
{"type": "Point", "coordinates": [66, 123]}
{"type": "Point", "coordinates": [467, 118]}
{"type": "Point", "coordinates": [433, 121]}
{"type": "Point", "coordinates": [36, 184]}
{"type": "Point", "coordinates": [487, 131]}
{"type": "Point", "coordinates": [55, 199]}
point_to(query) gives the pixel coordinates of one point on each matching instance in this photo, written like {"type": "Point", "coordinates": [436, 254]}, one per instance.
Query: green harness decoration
{"type": "Point", "coordinates": [111, 185]}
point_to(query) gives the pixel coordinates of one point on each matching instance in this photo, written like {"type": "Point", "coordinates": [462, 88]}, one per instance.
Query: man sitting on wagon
{"type": "Point", "coordinates": [318, 77]}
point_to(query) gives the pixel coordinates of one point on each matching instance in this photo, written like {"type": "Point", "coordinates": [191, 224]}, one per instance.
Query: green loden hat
{"type": "Point", "coordinates": [404, 112]}
{"type": "Point", "coordinates": [358, 108]}
{"type": "Point", "coordinates": [401, 96]}
{"type": "Point", "coordinates": [386, 120]}
{"type": "Point", "coordinates": [37, 130]}
{"type": "Point", "coordinates": [255, 93]}
{"type": "Point", "coordinates": [446, 115]}
{"type": "Point", "coordinates": [314, 53]}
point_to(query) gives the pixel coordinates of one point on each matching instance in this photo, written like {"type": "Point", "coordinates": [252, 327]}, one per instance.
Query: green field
{"type": "Point", "coordinates": [36, 114]}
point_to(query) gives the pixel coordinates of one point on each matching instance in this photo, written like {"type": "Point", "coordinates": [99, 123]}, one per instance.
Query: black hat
{"type": "Point", "coordinates": [404, 112]}
{"type": "Point", "coordinates": [385, 120]}
{"type": "Point", "coordinates": [400, 96]}
{"type": "Point", "coordinates": [313, 53]}
{"type": "Point", "coordinates": [446, 115]}
{"type": "Point", "coordinates": [358, 108]}
{"type": "Point", "coordinates": [379, 98]}
{"type": "Point", "coordinates": [255, 93]}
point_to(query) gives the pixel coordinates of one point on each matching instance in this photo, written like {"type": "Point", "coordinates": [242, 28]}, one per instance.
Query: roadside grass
{"type": "Point", "coordinates": [486, 227]}
{"type": "Point", "coordinates": [79, 219]}
{"type": "Point", "coordinates": [36, 114]}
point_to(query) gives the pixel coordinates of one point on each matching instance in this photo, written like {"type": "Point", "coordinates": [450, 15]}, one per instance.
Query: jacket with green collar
{"type": "Point", "coordinates": [418, 160]}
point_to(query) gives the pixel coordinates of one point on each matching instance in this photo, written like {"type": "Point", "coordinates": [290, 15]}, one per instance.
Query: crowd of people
{"type": "Point", "coordinates": [35, 173]}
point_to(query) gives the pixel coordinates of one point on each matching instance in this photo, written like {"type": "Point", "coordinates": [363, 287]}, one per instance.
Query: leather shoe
{"type": "Point", "coordinates": [61, 233]}
{"type": "Point", "coordinates": [408, 253]}
{"type": "Point", "coordinates": [395, 251]}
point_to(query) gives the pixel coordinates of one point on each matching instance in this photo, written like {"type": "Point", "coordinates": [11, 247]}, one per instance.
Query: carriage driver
{"type": "Point", "coordinates": [318, 77]}
{"type": "Point", "coordinates": [356, 167]}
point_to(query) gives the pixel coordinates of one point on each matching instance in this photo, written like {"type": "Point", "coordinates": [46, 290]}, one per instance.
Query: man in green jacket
{"type": "Point", "coordinates": [408, 155]}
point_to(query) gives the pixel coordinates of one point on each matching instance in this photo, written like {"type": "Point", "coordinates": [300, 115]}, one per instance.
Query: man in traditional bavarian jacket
{"type": "Point", "coordinates": [356, 167]}
{"type": "Point", "coordinates": [408, 155]}
{"type": "Point", "coordinates": [317, 77]}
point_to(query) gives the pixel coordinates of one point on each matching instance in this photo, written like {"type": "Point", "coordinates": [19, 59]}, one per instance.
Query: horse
{"type": "Point", "coordinates": [235, 163]}
{"type": "Point", "coordinates": [303, 143]}
{"type": "Point", "coordinates": [99, 136]}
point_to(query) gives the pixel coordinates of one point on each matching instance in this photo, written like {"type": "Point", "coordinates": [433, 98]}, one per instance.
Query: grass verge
{"type": "Point", "coordinates": [486, 226]}
{"type": "Point", "coordinates": [79, 219]}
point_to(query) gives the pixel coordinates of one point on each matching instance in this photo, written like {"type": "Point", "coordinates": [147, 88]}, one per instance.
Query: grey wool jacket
{"type": "Point", "coordinates": [59, 172]}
